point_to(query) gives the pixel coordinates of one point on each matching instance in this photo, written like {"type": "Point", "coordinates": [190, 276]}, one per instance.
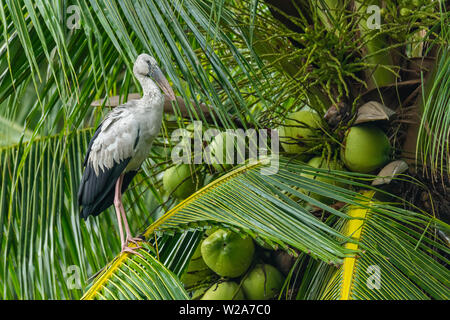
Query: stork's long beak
{"type": "Point", "coordinates": [159, 77]}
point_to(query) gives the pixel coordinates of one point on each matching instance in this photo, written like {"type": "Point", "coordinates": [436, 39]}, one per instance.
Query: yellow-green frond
{"type": "Point", "coordinates": [392, 265]}
{"type": "Point", "coordinates": [133, 277]}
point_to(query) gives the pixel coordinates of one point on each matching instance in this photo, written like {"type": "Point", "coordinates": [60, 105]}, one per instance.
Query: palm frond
{"type": "Point", "coordinates": [139, 278]}
{"type": "Point", "coordinates": [12, 133]}
{"type": "Point", "coordinates": [372, 235]}
{"type": "Point", "coordinates": [273, 217]}
{"type": "Point", "coordinates": [395, 263]}
{"type": "Point", "coordinates": [434, 132]}
{"type": "Point", "coordinates": [152, 276]}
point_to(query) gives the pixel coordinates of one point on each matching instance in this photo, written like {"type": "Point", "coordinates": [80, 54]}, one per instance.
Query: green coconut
{"type": "Point", "coordinates": [178, 179]}
{"type": "Point", "coordinates": [197, 269]}
{"type": "Point", "coordinates": [263, 282]}
{"type": "Point", "coordinates": [228, 253]}
{"type": "Point", "coordinates": [365, 148]}
{"type": "Point", "coordinates": [198, 293]}
{"type": "Point", "coordinates": [299, 131]}
{"type": "Point", "coordinates": [224, 291]}
{"type": "Point", "coordinates": [320, 163]}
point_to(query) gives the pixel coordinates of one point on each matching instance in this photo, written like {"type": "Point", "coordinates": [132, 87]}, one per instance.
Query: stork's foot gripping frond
{"type": "Point", "coordinates": [132, 250]}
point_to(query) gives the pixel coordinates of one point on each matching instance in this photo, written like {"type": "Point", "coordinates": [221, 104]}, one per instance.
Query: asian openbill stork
{"type": "Point", "coordinates": [119, 146]}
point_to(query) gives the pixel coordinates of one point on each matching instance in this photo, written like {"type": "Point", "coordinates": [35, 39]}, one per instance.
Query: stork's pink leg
{"type": "Point", "coordinates": [117, 202]}
{"type": "Point", "coordinates": [120, 211]}
{"type": "Point", "coordinates": [129, 237]}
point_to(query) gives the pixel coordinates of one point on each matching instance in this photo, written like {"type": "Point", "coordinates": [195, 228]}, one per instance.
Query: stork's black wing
{"type": "Point", "coordinates": [96, 192]}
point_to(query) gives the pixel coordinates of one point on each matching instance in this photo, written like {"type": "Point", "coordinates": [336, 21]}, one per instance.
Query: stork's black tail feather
{"type": "Point", "coordinates": [96, 192]}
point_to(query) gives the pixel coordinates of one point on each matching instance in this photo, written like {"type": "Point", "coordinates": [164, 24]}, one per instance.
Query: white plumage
{"type": "Point", "coordinates": [128, 131]}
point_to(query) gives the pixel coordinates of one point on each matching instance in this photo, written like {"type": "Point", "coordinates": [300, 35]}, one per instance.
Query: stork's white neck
{"type": "Point", "coordinates": [150, 88]}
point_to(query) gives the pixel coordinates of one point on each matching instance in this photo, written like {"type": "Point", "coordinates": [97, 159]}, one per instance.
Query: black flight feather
{"type": "Point", "coordinates": [99, 192]}
{"type": "Point", "coordinates": [96, 192]}
{"type": "Point", "coordinates": [94, 189]}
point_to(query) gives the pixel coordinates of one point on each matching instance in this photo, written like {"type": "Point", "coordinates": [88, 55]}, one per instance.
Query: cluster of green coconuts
{"type": "Point", "coordinates": [179, 180]}
{"type": "Point", "coordinates": [231, 256]}
{"type": "Point", "coordinates": [364, 148]}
